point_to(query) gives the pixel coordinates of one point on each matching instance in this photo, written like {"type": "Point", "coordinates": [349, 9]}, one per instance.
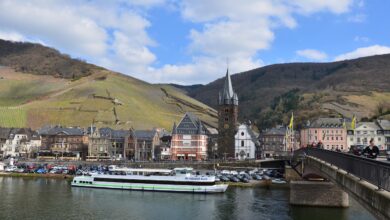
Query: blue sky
{"type": "Point", "coordinates": [189, 41]}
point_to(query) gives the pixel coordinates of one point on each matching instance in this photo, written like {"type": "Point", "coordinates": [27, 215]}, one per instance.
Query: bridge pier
{"type": "Point", "coordinates": [376, 201]}
{"type": "Point", "coordinates": [313, 193]}
{"type": "Point", "coordinates": [291, 175]}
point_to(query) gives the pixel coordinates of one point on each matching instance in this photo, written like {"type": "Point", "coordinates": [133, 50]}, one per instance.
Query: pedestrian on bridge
{"type": "Point", "coordinates": [371, 151]}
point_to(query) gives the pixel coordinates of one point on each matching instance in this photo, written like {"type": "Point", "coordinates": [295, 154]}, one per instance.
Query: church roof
{"type": "Point", "coordinates": [228, 88]}
{"type": "Point", "coordinates": [227, 96]}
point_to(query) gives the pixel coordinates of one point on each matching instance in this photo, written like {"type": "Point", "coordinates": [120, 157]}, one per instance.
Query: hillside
{"type": "Point", "coordinates": [269, 94]}
{"type": "Point", "coordinates": [37, 89]}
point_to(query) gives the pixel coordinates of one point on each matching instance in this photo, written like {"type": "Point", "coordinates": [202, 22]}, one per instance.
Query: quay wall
{"type": "Point", "coordinates": [199, 165]}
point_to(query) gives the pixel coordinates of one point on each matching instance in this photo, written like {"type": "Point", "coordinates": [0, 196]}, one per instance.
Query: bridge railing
{"type": "Point", "coordinates": [373, 171]}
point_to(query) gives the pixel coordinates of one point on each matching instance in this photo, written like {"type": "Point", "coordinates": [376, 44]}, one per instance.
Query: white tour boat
{"type": "Point", "coordinates": [176, 180]}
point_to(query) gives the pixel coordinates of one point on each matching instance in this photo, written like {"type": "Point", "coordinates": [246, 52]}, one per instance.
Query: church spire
{"type": "Point", "coordinates": [228, 88]}
{"type": "Point", "coordinates": [227, 95]}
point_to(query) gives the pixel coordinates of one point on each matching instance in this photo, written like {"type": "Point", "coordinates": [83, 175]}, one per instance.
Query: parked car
{"type": "Point", "coordinates": [244, 180]}
{"type": "Point", "coordinates": [247, 176]}
{"type": "Point", "coordinates": [41, 170]}
{"type": "Point", "coordinates": [19, 170]}
{"type": "Point", "coordinates": [257, 177]}
{"type": "Point", "coordinates": [10, 169]}
{"type": "Point", "coordinates": [234, 179]}
{"type": "Point", "coordinates": [357, 149]}
{"type": "Point", "coordinates": [224, 178]}
{"type": "Point", "coordinates": [225, 172]}
{"type": "Point", "coordinates": [234, 172]}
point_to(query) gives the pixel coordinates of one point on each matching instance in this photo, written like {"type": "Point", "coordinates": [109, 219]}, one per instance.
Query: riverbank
{"type": "Point", "coordinates": [37, 175]}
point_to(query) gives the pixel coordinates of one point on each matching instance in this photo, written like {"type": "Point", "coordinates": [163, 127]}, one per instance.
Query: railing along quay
{"type": "Point", "coordinates": [373, 171]}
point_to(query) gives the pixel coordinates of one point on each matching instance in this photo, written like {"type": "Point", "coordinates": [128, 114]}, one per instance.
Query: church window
{"type": "Point", "coordinates": [226, 119]}
{"type": "Point", "coordinates": [242, 133]}
{"type": "Point", "coordinates": [242, 143]}
{"type": "Point", "coordinates": [226, 110]}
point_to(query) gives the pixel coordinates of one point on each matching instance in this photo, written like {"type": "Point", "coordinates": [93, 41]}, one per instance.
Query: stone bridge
{"type": "Point", "coordinates": [366, 180]}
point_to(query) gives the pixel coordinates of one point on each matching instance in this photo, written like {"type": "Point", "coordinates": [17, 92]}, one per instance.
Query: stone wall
{"type": "Point", "coordinates": [324, 194]}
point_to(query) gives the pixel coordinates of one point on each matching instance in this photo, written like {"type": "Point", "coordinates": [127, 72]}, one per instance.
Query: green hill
{"type": "Point", "coordinates": [269, 94]}
{"type": "Point", "coordinates": [59, 90]}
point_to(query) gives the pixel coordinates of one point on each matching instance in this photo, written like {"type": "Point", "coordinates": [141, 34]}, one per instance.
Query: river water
{"type": "Point", "coordinates": [38, 198]}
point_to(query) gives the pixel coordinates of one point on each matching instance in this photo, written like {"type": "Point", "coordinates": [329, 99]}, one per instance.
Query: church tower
{"type": "Point", "coordinates": [227, 119]}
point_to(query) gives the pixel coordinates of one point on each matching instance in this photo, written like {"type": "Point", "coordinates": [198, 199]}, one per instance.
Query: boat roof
{"type": "Point", "coordinates": [142, 170]}
{"type": "Point", "coordinates": [183, 168]}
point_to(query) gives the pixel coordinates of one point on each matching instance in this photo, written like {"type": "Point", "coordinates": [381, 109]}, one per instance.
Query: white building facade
{"type": "Point", "coordinates": [21, 142]}
{"type": "Point", "coordinates": [245, 143]}
{"type": "Point", "coordinates": [364, 132]}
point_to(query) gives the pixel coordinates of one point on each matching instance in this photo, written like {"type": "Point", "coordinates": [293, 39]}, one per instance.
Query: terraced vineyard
{"type": "Point", "coordinates": [104, 98]}
{"type": "Point", "coordinates": [12, 117]}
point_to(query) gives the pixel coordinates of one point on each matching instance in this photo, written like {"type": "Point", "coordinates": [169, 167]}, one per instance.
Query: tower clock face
{"type": "Point", "coordinates": [226, 126]}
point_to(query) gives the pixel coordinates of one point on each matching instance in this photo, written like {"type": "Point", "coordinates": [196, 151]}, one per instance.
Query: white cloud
{"type": "Point", "coordinates": [114, 33]}
{"type": "Point", "coordinates": [54, 24]}
{"type": "Point", "coordinates": [239, 31]}
{"type": "Point", "coordinates": [11, 36]}
{"type": "Point", "coordinates": [311, 6]}
{"type": "Point", "coordinates": [312, 54]}
{"type": "Point", "coordinates": [201, 70]}
{"type": "Point", "coordinates": [363, 52]}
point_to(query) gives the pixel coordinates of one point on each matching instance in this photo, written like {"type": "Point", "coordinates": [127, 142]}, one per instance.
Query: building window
{"type": "Point", "coordinates": [242, 133]}
{"type": "Point", "coordinates": [379, 139]}
{"type": "Point", "coordinates": [351, 139]}
{"type": "Point", "coordinates": [315, 131]}
{"type": "Point", "coordinates": [236, 154]}
{"type": "Point", "coordinates": [226, 119]}
{"type": "Point", "coordinates": [337, 138]}
{"type": "Point", "coordinates": [242, 143]}
{"type": "Point", "coordinates": [247, 154]}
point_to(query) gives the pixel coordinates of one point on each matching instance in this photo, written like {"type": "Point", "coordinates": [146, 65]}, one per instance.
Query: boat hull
{"type": "Point", "coordinates": [143, 183]}
{"type": "Point", "coordinates": [218, 188]}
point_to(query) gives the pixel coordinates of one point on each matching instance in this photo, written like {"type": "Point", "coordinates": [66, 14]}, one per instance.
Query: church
{"type": "Point", "coordinates": [227, 119]}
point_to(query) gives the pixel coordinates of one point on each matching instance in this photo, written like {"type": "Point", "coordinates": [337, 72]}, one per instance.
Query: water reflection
{"type": "Point", "coordinates": [28, 198]}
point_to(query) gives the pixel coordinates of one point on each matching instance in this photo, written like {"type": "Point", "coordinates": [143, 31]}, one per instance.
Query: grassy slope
{"type": "Point", "coordinates": [346, 87]}
{"type": "Point", "coordinates": [33, 101]}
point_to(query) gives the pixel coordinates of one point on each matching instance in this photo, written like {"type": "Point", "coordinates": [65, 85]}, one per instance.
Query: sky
{"type": "Point", "coordinates": [193, 41]}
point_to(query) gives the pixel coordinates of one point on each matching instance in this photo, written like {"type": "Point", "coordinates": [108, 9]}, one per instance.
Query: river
{"type": "Point", "coordinates": [39, 198]}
